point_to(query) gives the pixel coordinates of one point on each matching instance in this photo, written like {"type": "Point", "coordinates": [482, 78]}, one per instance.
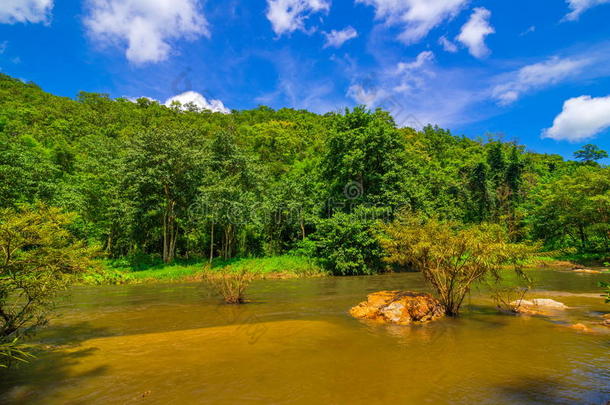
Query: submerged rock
{"type": "Point", "coordinates": [537, 306]}
{"type": "Point", "coordinates": [588, 271]}
{"type": "Point", "coordinates": [399, 307]}
{"type": "Point", "coordinates": [581, 327]}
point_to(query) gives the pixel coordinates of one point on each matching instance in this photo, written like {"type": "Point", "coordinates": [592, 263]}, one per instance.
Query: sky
{"type": "Point", "coordinates": [533, 71]}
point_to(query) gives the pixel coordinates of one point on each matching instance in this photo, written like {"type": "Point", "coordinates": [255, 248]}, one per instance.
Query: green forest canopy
{"type": "Point", "coordinates": [147, 179]}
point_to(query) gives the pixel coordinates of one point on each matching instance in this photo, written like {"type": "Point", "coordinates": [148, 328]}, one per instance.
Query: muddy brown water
{"type": "Point", "coordinates": [296, 344]}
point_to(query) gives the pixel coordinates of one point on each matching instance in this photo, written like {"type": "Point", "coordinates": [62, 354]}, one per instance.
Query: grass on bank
{"type": "Point", "coordinates": [573, 260]}
{"type": "Point", "coordinates": [150, 269]}
{"type": "Point", "coordinates": [122, 272]}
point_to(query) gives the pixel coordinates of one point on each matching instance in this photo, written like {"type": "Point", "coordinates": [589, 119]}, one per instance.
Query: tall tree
{"type": "Point", "coordinates": [164, 169]}
{"type": "Point", "coordinates": [590, 154]}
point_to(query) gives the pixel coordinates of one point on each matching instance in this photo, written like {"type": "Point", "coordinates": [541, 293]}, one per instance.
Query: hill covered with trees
{"type": "Point", "coordinates": [144, 179]}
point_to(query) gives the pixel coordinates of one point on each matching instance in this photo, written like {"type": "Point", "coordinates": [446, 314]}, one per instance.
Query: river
{"type": "Point", "coordinates": [295, 343]}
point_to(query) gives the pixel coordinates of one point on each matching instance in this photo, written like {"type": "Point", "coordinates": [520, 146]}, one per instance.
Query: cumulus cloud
{"type": "Point", "coordinates": [24, 11]}
{"type": "Point", "coordinates": [580, 6]}
{"type": "Point", "coordinates": [535, 76]}
{"type": "Point", "coordinates": [474, 32]}
{"type": "Point", "coordinates": [581, 118]}
{"type": "Point", "coordinates": [416, 17]}
{"type": "Point", "coordinates": [447, 45]}
{"type": "Point", "coordinates": [287, 16]}
{"type": "Point", "coordinates": [147, 28]}
{"type": "Point", "coordinates": [192, 98]}
{"type": "Point", "coordinates": [337, 38]}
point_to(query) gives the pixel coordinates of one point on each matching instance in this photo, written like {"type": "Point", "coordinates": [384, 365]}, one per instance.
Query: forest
{"type": "Point", "coordinates": [146, 181]}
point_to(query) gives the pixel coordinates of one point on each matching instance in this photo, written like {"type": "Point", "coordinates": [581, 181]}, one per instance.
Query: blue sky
{"type": "Point", "coordinates": [537, 71]}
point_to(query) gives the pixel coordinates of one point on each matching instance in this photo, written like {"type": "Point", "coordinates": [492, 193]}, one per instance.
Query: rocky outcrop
{"type": "Point", "coordinates": [399, 307]}
{"type": "Point", "coordinates": [537, 306]}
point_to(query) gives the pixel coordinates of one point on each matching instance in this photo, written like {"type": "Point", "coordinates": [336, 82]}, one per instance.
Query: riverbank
{"type": "Point", "coordinates": [123, 272]}
{"type": "Point", "coordinates": [285, 266]}
{"type": "Point", "coordinates": [573, 261]}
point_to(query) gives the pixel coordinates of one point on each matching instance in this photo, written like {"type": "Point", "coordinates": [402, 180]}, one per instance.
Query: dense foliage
{"type": "Point", "coordinates": [38, 258]}
{"type": "Point", "coordinates": [144, 179]}
{"type": "Point", "coordinates": [452, 257]}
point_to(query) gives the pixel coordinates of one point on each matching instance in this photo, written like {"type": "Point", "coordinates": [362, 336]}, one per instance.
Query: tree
{"type": "Point", "coordinates": [574, 211]}
{"type": "Point", "coordinates": [228, 195]}
{"type": "Point", "coordinates": [590, 154]}
{"type": "Point", "coordinates": [164, 169]}
{"type": "Point", "coordinates": [452, 258]}
{"type": "Point", "coordinates": [365, 150]}
{"type": "Point", "coordinates": [481, 197]}
{"type": "Point", "coordinates": [38, 258]}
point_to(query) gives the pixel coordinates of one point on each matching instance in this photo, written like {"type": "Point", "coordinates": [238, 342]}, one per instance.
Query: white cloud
{"type": "Point", "coordinates": [474, 32]}
{"type": "Point", "coordinates": [580, 6]}
{"type": "Point", "coordinates": [417, 17]}
{"type": "Point", "coordinates": [447, 45]}
{"type": "Point", "coordinates": [420, 61]}
{"type": "Point", "coordinates": [581, 118]}
{"type": "Point", "coordinates": [193, 98]}
{"type": "Point", "coordinates": [287, 16]}
{"type": "Point", "coordinates": [23, 11]}
{"type": "Point", "coordinates": [419, 92]}
{"type": "Point", "coordinates": [403, 79]}
{"type": "Point", "coordinates": [337, 38]}
{"type": "Point", "coordinates": [3, 46]}
{"type": "Point", "coordinates": [538, 75]}
{"type": "Point", "coordinates": [147, 27]}
{"type": "Point", "coordinates": [299, 85]}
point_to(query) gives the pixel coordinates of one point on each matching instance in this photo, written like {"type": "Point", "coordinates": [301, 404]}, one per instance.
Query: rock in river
{"type": "Point", "coordinates": [588, 271]}
{"type": "Point", "coordinates": [537, 306]}
{"type": "Point", "coordinates": [399, 307]}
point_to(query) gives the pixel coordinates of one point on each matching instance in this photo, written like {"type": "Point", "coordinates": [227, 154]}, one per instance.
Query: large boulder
{"type": "Point", "coordinates": [399, 307]}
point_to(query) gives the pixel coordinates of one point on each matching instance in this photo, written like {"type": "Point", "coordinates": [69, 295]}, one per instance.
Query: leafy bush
{"type": "Point", "coordinates": [228, 282]}
{"type": "Point", "coordinates": [106, 276]}
{"type": "Point", "coordinates": [346, 245]}
{"type": "Point", "coordinates": [38, 258]}
{"type": "Point", "coordinates": [11, 351]}
{"type": "Point", "coordinates": [451, 258]}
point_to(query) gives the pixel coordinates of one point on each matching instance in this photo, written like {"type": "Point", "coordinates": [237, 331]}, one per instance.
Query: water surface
{"type": "Point", "coordinates": [296, 344]}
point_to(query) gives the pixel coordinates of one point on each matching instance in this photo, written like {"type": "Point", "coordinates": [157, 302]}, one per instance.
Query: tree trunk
{"type": "Point", "coordinates": [303, 230]}
{"type": "Point", "coordinates": [212, 243]}
{"type": "Point", "coordinates": [170, 233]}
{"type": "Point", "coordinates": [583, 238]}
{"type": "Point", "coordinates": [165, 258]}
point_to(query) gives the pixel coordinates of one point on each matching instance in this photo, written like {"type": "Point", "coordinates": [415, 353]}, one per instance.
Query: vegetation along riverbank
{"type": "Point", "coordinates": [113, 191]}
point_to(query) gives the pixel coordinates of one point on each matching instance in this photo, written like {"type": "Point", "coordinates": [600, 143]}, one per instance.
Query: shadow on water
{"type": "Point", "coordinates": [56, 353]}
{"type": "Point", "coordinates": [540, 390]}
{"type": "Point", "coordinates": [71, 334]}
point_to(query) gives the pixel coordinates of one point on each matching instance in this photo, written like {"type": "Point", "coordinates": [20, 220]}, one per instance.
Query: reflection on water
{"type": "Point", "coordinates": [296, 344]}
